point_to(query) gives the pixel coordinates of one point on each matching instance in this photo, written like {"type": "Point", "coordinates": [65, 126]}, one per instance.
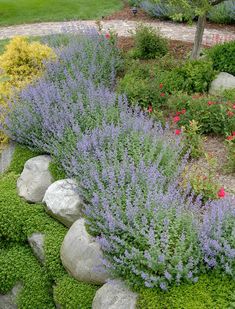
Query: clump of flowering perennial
{"type": "Point", "coordinates": [217, 236]}
{"type": "Point", "coordinates": [135, 134]}
{"type": "Point", "coordinates": [146, 226]}
{"type": "Point", "coordinates": [50, 110]}
{"type": "Point", "coordinates": [88, 52]}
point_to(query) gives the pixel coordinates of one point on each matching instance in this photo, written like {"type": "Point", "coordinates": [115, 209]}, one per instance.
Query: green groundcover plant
{"type": "Point", "coordinates": [18, 220]}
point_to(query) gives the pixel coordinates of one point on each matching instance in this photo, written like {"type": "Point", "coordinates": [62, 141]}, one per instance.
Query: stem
{"type": "Point", "coordinates": [198, 36]}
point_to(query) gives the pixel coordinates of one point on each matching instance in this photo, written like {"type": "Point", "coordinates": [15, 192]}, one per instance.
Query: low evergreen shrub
{"type": "Point", "coordinates": [222, 57]}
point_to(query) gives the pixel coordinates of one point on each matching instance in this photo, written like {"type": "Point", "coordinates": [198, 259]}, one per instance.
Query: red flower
{"type": "Point", "coordinates": [176, 119]}
{"type": "Point", "coordinates": [230, 114]}
{"type": "Point", "coordinates": [107, 35]}
{"type": "Point", "coordinates": [162, 94]}
{"type": "Point", "coordinates": [177, 132]}
{"type": "Point", "coordinates": [183, 111]}
{"type": "Point", "coordinates": [210, 103]}
{"type": "Point", "coordinates": [233, 133]}
{"type": "Point", "coordinates": [230, 138]}
{"type": "Point", "coordinates": [221, 193]}
{"type": "Point", "coordinates": [161, 86]}
{"type": "Point", "coordinates": [234, 106]}
{"type": "Point", "coordinates": [178, 113]}
{"type": "Point", "coordinates": [150, 109]}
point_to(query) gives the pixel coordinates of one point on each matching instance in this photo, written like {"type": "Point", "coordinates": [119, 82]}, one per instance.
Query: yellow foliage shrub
{"type": "Point", "coordinates": [20, 64]}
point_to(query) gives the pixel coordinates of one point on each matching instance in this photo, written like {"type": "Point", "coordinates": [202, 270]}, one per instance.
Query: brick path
{"type": "Point", "coordinates": [123, 28]}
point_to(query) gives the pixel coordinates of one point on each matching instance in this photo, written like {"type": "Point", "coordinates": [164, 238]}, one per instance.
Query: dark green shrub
{"type": "Point", "coordinates": [211, 291]}
{"type": "Point", "coordinates": [142, 91]}
{"type": "Point", "coordinates": [223, 58]}
{"type": "Point", "coordinates": [193, 76]}
{"type": "Point", "coordinates": [149, 44]}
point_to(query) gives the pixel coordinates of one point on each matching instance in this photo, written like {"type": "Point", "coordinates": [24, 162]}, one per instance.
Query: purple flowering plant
{"type": "Point", "coordinates": [127, 167]}
{"type": "Point", "coordinates": [217, 236]}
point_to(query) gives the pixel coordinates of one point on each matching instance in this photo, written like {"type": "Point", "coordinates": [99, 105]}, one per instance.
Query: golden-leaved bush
{"type": "Point", "coordinates": [21, 63]}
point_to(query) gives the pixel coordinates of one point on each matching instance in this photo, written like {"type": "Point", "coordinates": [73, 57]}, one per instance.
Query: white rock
{"type": "Point", "coordinates": [35, 179]}
{"type": "Point", "coordinates": [6, 155]}
{"type": "Point", "coordinates": [114, 295]}
{"type": "Point", "coordinates": [222, 82]}
{"type": "Point", "coordinates": [81, 255]}
{"type": "Point", "coordinates": [63, 202]}
{"type": "Point", "coordinates": [8, 301]}
{"type": "Point", "coordinates": [36, 242]}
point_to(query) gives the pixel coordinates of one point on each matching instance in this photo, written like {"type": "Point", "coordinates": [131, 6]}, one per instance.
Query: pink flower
{"type": "Point", "coordinates": [161, 86]}
{"type": "Point", "coordinates": [234, 106]}
{"type": "Point", "coordinates": [176, 119]}
{"type": "Point", "coordinates": [221, 193]}
{"type": "Point", "coordinates": [210, 103]}
{"type": "Point", "coordinates": [177, 132]}
{"type": "Point", "coordinates": [183, 111]}
{"type": "Point", "coordinates": [162, 94]}
{"type": "Point", "coordinates": [107, 35]}
{"type": "Point", "coordinates": [230, 114]}
{"type": "Point", "coordinates": [233, 133]}
{"type": "Point", "coordinates": [150, 109]}
{"type": "Point", "coordinates": [178, 113]}
{"type": "Point", "coordinates": [230, 138]}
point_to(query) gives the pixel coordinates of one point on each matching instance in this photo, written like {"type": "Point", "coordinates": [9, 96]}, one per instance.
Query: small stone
{"type": "Point", "coordinates": [8, 301]}
{"type": "Point", "coordinates": [63, 201]}
{"type": "Point", "coordinates": [114, 295]}
{"type": "Point", "coordinates": [223, 81]}
{"type": "Point", "coordinates": [6, 155]}
{"type": "Point", "coordinates": [36, 242]}
{"type": "Point", "coordinates": [82, 256]}
{"type": "Point", "coordinates": [35, 179]}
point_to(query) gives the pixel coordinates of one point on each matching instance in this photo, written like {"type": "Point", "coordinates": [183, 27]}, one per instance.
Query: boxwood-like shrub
{"type": "Point", "coordinates": [222, 57]}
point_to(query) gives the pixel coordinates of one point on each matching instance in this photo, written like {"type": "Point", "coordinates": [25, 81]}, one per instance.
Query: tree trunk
{"type": "Point", "coordinates": [198, 37]}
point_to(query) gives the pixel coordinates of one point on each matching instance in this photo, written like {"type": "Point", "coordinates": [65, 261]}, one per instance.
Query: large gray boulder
{"type": "Point", "coordinates": [82, 256]}
{"type": "Point", "coordinates": [36, 242]}
{"type": "Point", "coordinates": [114, 295]}
{"type": "Point", "coordinates": [222, 82]}
{"type": "Point", "coordinates": [6, 155]}
{"type": "Point", "coordinates": [63, 201]}
{"type": "Point", "coordinates": [8, 301]}
{"type": "Point", "coordinates": [35, 179]}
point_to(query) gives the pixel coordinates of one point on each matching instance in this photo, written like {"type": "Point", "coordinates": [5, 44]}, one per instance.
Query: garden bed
{"type": "Point", "coordinates": [98, 117]}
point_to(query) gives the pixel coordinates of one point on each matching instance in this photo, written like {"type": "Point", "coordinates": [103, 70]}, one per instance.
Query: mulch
{"type": "Point", "coordinates": [179, 49]}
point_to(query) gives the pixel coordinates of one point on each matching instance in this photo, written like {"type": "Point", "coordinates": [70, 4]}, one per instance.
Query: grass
{"type": "Point", "coordinates": [29, 11]}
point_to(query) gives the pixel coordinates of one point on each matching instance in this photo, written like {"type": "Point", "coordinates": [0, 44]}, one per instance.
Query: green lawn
{"type": "Point", "coordinates": [29, 11]}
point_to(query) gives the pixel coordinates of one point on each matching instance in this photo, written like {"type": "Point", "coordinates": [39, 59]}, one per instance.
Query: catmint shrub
{"type": "Point", "coordinates": [218, 236]}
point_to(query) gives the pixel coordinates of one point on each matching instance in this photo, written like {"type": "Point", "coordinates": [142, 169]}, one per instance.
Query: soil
{"type": "Point", "coordinates": [216, 147]}
{"type": "Point", "coordinates": [178, 49]}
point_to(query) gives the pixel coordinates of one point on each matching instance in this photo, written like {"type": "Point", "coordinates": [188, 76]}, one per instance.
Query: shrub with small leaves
{"type": "Point", "coordinates": [222, 57]}
{"type": "Point", "coordinates": [149, 44]}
